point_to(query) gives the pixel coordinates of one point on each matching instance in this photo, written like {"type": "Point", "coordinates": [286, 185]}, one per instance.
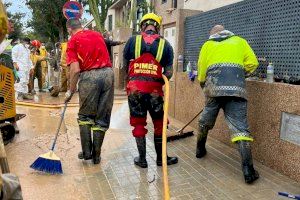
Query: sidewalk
{"type": "Point", "coordinates": [217, 176]}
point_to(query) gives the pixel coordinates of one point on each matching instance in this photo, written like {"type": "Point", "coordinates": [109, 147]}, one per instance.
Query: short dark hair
{"type": "Point", "coordinates": [26, 39]}
{"type": "Point", "coordinates": [73, 24]}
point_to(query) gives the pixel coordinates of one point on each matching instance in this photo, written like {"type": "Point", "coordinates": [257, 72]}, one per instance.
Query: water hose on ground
{"type": "Point", "coordinates": [21, 103]}
{"type": "Point", "coordinates": [164, 140]}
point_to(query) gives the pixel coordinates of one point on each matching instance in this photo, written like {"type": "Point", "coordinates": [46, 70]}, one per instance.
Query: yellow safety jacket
{"type": "Point", "coordinates": [223, 64]}
{"type": "Point", "coordinates": [43, 52]}
{"type": "Point", "coordinates": [232, 50]}
{"type": "Point", "coordinates": [36, 58]}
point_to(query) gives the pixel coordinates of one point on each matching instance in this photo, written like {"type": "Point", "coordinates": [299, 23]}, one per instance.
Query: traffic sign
{"type": "Point", "coordinates": [72, 10]}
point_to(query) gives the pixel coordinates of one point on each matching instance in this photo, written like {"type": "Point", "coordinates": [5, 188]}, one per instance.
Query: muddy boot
{"type": "Point", "coordinates": [98, 137]}
{"type": "Point", "coordinates": [158, 149]}
{"type": "Point", "coordinates": [250, 174]}
{"type": "Point", "coordinates": [27, 96]}
{"type": "Point", "coordinates": [201, 140]}
{"type": "Point", "coordinates": [86, 142]}
{"type": "Point", "coordinates": [141, 159]}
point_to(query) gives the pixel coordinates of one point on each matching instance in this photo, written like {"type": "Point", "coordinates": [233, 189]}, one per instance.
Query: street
{"type": "Point", "coordinates": [217, 176]}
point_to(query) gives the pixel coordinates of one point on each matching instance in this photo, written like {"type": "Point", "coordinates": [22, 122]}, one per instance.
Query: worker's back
{"type": "Point", "coordinates": [223, 62]}
{"type": "Point", "coordinates": [89, 49]}
{"type": "Point", "coordinates": [230, 50]}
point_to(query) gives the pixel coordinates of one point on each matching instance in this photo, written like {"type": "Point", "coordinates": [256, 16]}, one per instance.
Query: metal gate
{"type": "Point", "coordinates": [272, 28]}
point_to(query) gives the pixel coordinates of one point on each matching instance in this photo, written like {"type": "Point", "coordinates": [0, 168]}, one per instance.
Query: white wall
{"type": "Point", "coordinates": [206, 5]}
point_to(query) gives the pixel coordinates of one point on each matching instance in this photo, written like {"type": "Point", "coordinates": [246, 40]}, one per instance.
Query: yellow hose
{"type": "Point", "coordinates": [164, 140]}
{"type": "Point", "coordinates": [45, 105]}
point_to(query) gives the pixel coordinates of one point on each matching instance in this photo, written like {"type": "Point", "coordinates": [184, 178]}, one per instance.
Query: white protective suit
{"type": "Point", "coordinates": [21, 56]}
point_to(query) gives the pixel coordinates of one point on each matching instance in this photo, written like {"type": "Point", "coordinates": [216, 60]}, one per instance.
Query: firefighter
{"type": "Point", "coordinates": [36, 59]}
{"type": "Point", "coordinates": [224, 61]}
{"type": "Point", "coordinates": [147, 56]}
{"type": "Point", "coordinates": [64, 69]}
{"type": "Point", "coordinates": [88, 57]}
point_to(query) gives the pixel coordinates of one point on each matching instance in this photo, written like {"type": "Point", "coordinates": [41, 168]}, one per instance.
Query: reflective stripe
{"type": "Point", "coordinates": [96, 128]}
{"type": "Point", "coordinates": [241, 138]}
{"type": "Point", "coordinates": [83, 123]}
{"type": "Point", "coordinates": [160, 49]}
{"type": "Point", "coordinates": [138, 46]}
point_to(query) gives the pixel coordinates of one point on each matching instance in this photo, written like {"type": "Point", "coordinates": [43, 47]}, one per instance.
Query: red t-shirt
{"type": "Point", "coordinates": [88, 48]}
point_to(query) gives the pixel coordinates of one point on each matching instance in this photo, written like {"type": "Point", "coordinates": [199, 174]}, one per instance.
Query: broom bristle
{"type": "Point", "coordinates": [180, 136]}
{"type": "Point", "coordinates": [48, 163]}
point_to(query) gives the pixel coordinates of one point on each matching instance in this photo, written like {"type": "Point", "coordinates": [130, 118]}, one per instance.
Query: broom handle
{"type": "Point", "coordinates": [58, 128]}
{"type": "Point", "coordinates": [191, 120]}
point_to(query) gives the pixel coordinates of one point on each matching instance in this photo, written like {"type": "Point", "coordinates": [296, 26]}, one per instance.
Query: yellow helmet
{"type": "Point", "coordinates": [152, 17]}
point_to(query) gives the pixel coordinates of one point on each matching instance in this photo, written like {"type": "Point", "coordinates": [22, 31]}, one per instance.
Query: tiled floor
{"type": "Point", "coordinates": [217, 176]}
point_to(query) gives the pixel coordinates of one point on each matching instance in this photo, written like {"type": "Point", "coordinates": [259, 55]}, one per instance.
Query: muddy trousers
{"type": "Point", "coordinates": [139, 105]}
{"type": "Point", "coordinates": [235, 111]}
{"type": "Point", "coordinates": [37, 74]}
{"type": "Point", "coordinates": [96, 93]}
{"type": "Point", "coordinates": [65, 77]}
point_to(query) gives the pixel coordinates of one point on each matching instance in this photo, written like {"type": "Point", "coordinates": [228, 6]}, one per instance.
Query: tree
{"type": "Point", "coordinates": [47, 19]}
{"type": "Point", "coordinates": [15, 20]}
{"type": "Point", "coordinates": [99, 15]}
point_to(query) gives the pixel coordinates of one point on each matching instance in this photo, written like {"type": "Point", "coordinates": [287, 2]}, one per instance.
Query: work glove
{"type": "Point", "coordinates": [68, 96]}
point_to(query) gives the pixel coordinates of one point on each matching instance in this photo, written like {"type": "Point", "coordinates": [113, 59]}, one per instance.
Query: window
{"type": "Point", "coordinates": [110, 22]}
{"type": "Point", "coordinates": [174, 3]}
{"type": "Point", "coordinates": [163, 1]}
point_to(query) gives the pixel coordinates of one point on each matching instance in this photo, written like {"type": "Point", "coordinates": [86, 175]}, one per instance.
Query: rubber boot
{"type": "Point", "coordinates": [17, 130]}
{"type": "Point", "coordinates": [98, 137]}
{"type": "Point", "coordinates": [86, 142]}
{"type": "Point", "coordinates": [141, 159]}
{"type": "Point", "coordinates": [201, 140]}
{"type": "Point", "coordinates": [158, 149]}
{"type": "Point", "coordinates": [250, 174]}
{"type": "Point", "coordinates": [27, 96]}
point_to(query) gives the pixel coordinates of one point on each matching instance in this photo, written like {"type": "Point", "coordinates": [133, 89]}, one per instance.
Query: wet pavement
{"type": "Point", "coordinates": [217, 176]}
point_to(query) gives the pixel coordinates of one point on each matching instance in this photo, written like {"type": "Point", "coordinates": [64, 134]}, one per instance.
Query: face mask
{"type": "Point", "coordinates": [43, 47]}
{"type": "Point", "coordinates": [27, 45]}
{"type": "Point", "coordinates": [110, 37]}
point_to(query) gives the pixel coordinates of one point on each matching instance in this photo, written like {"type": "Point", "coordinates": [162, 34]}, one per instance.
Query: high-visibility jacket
{"type": "Point", "coordinates": [145, 72]}
{"type": "Point", "coordinates": [222, 66]}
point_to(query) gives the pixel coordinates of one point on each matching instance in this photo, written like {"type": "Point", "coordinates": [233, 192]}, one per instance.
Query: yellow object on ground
{"type": "Point", "coordinates": [7, 93]}
{"type": "Point", "coordinates": [3, 22]}
{"type": "Point", "coordinates": [214, 52]}
{"type": "Point", "coordinates": [164, 141]}
{"type": "Point", "coordinates": [38, 105]}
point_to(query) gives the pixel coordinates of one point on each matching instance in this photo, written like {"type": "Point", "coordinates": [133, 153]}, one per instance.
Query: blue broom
{"type": "Point", "coordinates": [49, 162]}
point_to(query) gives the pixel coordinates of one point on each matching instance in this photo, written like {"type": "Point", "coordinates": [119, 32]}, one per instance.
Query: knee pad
{"type": "Point", "coordinates": [158, 126]}
{"type": "Point", "coordinates": [139, 124]}
{"type": "Point", "coordinates": [139, 131]}
{"type": "Point", "coordinates": [138, 121]}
